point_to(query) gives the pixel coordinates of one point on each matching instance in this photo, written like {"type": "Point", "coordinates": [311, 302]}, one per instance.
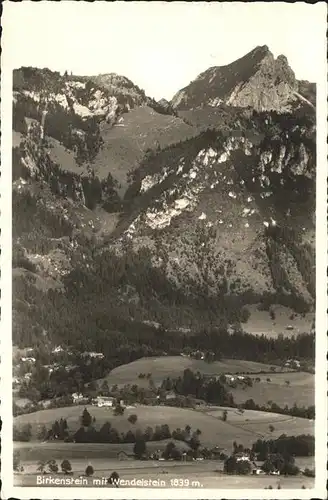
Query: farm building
{"type": "Point", "coordinates": [293, 363]}
{"type": "Point", "coordinates": [78, 398]}
{"type": "Point", "coordinates": [217, 452]}
{"type": "Point", "coordinates": [28, 359]}
{"type": "Point", "coordinates": [170, 395]}
{"type": "Point", "coordinates": [57, 349]}
{"type": "Point", "coordinates": [199, 403]}
{"type": "Point", "coordinates": [98, 355]}
{"type": "Point", "coordinates": [104, 401]}
{"type": "Point", "coordinates": [241, 456]}
{"type": "Point", "coordinates": [257, 471]}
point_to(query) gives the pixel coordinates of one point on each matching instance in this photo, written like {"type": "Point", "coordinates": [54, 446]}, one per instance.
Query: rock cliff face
{"type": "Point", "coordinates": [117, 197]}
{"type": "Point", "coordinates": [211, 209]}
{"type": "Point", "coordinates": [256, 80]}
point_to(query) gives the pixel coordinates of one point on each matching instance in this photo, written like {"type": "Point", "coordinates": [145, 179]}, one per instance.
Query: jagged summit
{"type": "Point", "coordinates": [256, 80]}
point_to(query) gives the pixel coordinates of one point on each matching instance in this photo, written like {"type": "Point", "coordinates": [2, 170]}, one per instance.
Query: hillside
{"type": "Point", "coordinates": [271, 385]}
{"type": "Point", "coordinates": [126, 143]}
{"type": "Point", "coordinates": [125, 212]}
{"type": "Point", "coordinates": [256, 80]}
{"type": "Point", "coordinates": [173, 366]}
{"type": "Point", "coordinates": [93, 128]}
{"type": "Point", "coordinates": [215, 213]}
{"type": "Point", "coordinates": [214, 432]}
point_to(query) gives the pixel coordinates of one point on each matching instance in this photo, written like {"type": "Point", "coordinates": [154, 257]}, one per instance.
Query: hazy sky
{"type": "Point", "coordinates": [160, 46]}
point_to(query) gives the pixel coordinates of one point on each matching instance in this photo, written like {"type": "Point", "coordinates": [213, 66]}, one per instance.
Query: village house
{"type": "Point", "coordinates": [199, 403]}
{"type": "Point", "coordinates": [293, 363]}
{"type": "Point", "coordinates": [28, 359]}
{"type": "Point", "coordinates": [78, 397]}
{"type": "Point", "coordinates": [57, 349]}
{"type": "Point", "coordinates": [104, 401]}
{"type": "Point", "coordinates": [197, 355]}
{"type": "Point", "coordinates": [69, 368]}
{"type": "Point", "coordinates": [170, 395]}
{"type": "Point", "coordinates": [257, 471]}
{"type": "Point", "coordinates": [242, 457]}
{"type": "Point", "coordinates": [98, 355]}
{"type": "Point", "coordinates": [217, 452]}
{"type": "Point", "coordinates": [49, 368]}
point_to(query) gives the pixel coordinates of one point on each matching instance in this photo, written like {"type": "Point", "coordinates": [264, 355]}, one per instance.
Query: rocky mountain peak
{"type": "Point", "coordinates": [256, 80]}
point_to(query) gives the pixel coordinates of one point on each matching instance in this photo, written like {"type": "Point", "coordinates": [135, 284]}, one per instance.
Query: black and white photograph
{"type": "Point", "coordinates": [164, 250]}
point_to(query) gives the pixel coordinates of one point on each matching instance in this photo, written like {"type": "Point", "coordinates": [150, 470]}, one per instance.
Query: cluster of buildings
{"type": "Point", "coordinates": [99, 401]}
{"type": "Point", "coordinates": [293, 364]}
{"type": "Point", "coordinates": [97, 355]}
{"type": "Point", "coordinates": [234, 378]}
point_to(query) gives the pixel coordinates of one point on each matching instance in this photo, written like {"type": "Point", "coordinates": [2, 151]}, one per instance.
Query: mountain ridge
{"type": "Point", "coordinates": [139, 209]}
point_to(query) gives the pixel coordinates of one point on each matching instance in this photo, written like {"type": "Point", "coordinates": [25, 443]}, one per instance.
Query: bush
{"type": "Point", "coordinates": [290, 469]}
{"type": "Point", "coordinates": [119, 410]}
{"type": "Point", "coordinates": [133, 419]}
{"type": "Point", "coordinates": [66, 466]}
{"type": "Point", "coordinates": [169, 451]}
{"type": "Point", "coordinates": [53, 466]}
{"type": "Point", "coordinates": [16, 461]}
{"type": "Point", "coordinates": [114, 479]}
{"type": "Point", "coordinates": [309, 472]}
{"type": "Point", "coordinates": [86, 418]}
{"type": "Point", "coordinates": [244, 315]}
{"type": "Point", "coordinates": [89, 471]}
{"type": "Point", "coordinates": [234, 466]}
{"type": "Point", "coordinates": [139, 449]}
{"type": "Point", "coordinates": [22, 434]}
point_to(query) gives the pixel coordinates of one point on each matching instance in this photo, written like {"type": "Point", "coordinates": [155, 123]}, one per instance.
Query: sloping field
{"type": "Point", "coordinates": [126, 143]}
{"type": "Point", "coordinates": [214, 432]}
{"type": "Point", "coordinates": [17, 139]}
{"type": "Point", "coordinates": [173, 366]}
{"type": "Point", "coordinates": [81, 452]}
{"type": "Point", "coordinates": [300, 390]}
{"type": "Point", "coordinates": [258, 422]}
{"type": "Point", "coordinates": [64, 157]}
{"type": "Point", "coordinates": [260, 322]}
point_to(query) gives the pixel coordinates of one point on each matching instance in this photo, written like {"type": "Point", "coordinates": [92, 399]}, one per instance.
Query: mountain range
{"type": "Point", "coordinates": [181, 214]}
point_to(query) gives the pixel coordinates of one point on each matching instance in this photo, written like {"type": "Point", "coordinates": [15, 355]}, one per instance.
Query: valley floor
{"type": "Point", "coordinates": [206, 474]}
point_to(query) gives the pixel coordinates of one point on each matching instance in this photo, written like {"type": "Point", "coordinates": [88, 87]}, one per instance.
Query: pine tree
{"type": "Point", "coordinates": [86, 418]}
{"type": "Point", "coordinates": [139, 448]}
{"type": "Point", "coordinates": [66, 466]}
